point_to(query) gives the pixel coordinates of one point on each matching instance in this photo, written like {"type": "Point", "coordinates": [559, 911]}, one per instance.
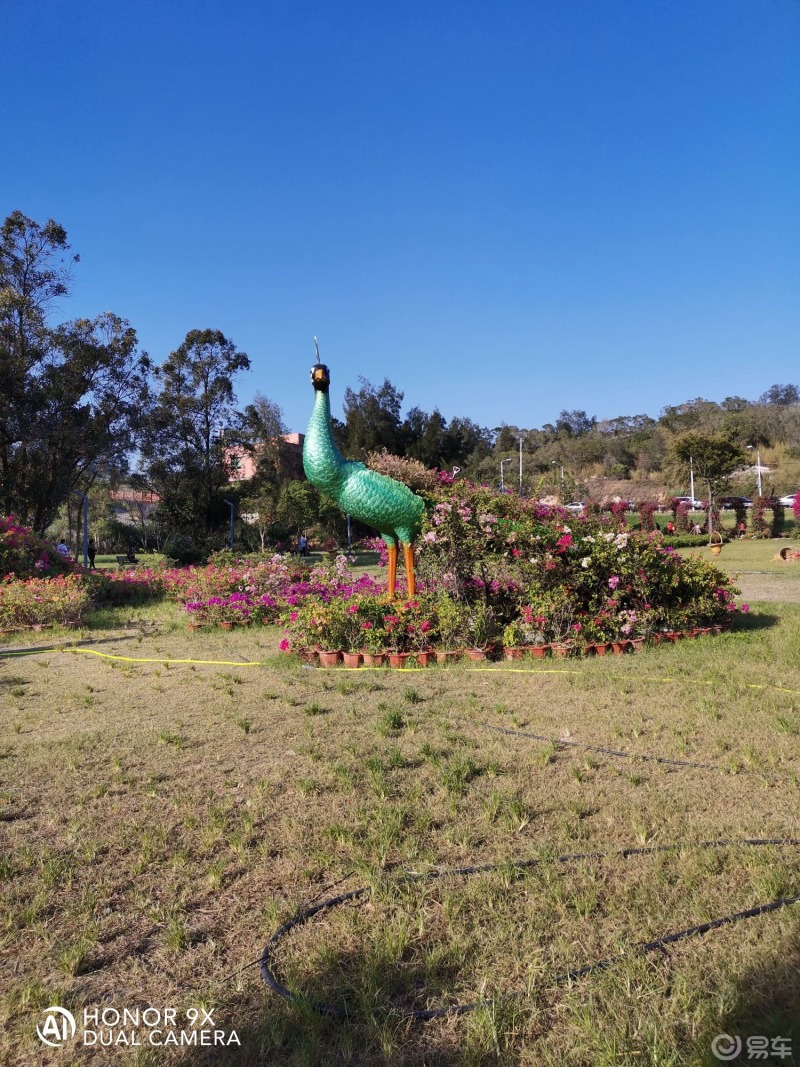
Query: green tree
{"type": "Point", "coordinates": [425, 436]}
{"type": "Point", "coordinates": [193, 422]}
{"type": "Point", "coordinates": [372, 420]}
{"type": "Point", "coordinates": [781, 395]}
{"type": "Point", "coordinates": [298, 506]}
{"type": "Point", "coordinates": [265, 428]}
{"type": "Point", "coordinates": [72, 396]}
{"type": "Point", "coordinates": [260, 510]}
{"type": "Point", "coordinates": [714, 459]}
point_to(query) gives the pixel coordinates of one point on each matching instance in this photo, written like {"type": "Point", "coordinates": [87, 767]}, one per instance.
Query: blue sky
{"type": "Point", "coordinates": [506, 208]}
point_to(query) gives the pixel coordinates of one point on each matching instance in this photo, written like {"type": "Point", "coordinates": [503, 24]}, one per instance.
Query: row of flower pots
{"type": "Point", "coordinates": [427, 657]}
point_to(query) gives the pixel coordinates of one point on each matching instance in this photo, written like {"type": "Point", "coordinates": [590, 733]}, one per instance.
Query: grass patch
{"type": "Point", "coordinates": [160, 822]}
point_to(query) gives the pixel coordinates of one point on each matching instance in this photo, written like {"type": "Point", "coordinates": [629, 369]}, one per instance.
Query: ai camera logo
{"type": "Point", "coordinates": [57, 1028]}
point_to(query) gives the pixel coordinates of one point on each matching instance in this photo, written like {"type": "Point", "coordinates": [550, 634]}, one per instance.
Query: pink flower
{"type": "Point", "coordinates": [284, 645]}
{"type": "Point", "coordinates": [613, 581]}
{"type": "Point", "coordinates": [745, 608]}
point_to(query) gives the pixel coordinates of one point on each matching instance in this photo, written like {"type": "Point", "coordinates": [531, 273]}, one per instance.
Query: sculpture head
{"type": "Point", "coordinates": [320, 377]}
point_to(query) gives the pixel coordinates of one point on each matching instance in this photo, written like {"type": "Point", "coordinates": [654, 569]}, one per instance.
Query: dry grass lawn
{"type": "Point", "coordinates": [159, 821]}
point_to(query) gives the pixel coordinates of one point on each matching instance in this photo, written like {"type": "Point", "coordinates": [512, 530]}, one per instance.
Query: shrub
{"type": "Point", "coordinates": [182, 549]}
{"type": "Point", "coordinates": [43, 601]}
{"type": "Point", "coordinates": [24, 554]}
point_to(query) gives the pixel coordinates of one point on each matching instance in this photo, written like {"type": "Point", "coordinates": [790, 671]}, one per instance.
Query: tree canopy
{"type": "Point", "coordinates": [72, 396]}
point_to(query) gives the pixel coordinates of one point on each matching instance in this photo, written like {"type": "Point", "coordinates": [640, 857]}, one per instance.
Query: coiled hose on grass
{"type": "Point", "coordinates": [423, 1014]}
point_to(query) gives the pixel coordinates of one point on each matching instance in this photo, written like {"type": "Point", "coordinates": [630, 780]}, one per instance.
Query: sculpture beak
{"type": "Point", "coordinates": [320, 374]}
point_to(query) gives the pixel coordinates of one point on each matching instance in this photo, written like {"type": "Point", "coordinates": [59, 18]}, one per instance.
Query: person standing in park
{"type": "Point", "coordinates": [62, 548]}
{"type": "Point", "coordinates": [91, 552]}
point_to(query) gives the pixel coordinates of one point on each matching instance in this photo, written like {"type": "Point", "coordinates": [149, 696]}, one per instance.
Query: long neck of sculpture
{"type": "Point", "coordinates": [328, 463]}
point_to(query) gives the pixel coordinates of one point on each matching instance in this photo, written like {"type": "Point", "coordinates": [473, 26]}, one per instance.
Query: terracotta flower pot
{"type": "Point", "coordinates": [513, 653]}
{"type": "Point", "coordinates": [600, 648]}
{"type": "Point", "coordinates": [619, 647]}
{"type": "Point", "coordinates": [398, 659]}
{"type": "Point", "coordinates": [308, 655]}
{"type": "Point", "coordinates": [562, 650]}
{"type": "Point", "coordinates": [329, 659]}
{"type": "Point", "coordinates": [351, 659]}
{"type": "Point", "coordinates": [374, 659]}
{"type": "Point", "coordinates": [637, 643]}
{"type": "Point", "coordinates": [674, 636]}
{"type": "Point", "coordinates": [226, 625]}
{"type": "Point", "coordinates": [424, 659]}
{"type": "Point", "coordinates": [193, 627]}
{"type": "Point", "coordinates": [539, 651]}
{"type": "Point", "coordinates": [450, 656]}
{"type": "Point", "coordinates": [476, 654]}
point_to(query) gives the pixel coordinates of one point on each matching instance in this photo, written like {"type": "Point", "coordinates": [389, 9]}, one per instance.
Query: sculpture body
{"type": "Point", "coordinates": [372, 498]}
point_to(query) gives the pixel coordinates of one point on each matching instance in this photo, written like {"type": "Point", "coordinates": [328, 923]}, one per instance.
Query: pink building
{"type": "Point", "coordinates": [242, 464]}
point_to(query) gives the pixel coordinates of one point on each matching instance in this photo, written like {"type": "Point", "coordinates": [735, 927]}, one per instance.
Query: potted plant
{"type": "Point", "coordinates": [420, 627]}
{"type": "Point", "coordinates": [373, 643]}
{"type": "Point", "coordinates": [482, 629]}
{"type": "Point", "coordinates": [451, 624]}
{"type": "Point", "coordinates": [513, 640]}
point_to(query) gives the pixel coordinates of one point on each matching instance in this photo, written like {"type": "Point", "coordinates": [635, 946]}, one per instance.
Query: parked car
{"type": "Point", "coordinates": [576, 505]}
{"type": "Point", "coordinates": [788, 501]}
{"type": "Point", "coordinates": [728, 503]}
{"type": "Point", "coordinates": [694, 505]}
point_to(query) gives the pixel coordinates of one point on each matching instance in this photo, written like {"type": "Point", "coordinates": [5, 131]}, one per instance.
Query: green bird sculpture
{"type": "Point", "coordinates": [374, 499]}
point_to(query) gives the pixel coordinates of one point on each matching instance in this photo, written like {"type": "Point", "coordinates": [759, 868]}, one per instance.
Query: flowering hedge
{"type": "Point", "coordinates": [497, 566]}
{"type": "Point", "coordinates": [25, 555]}
{"type": "Point", "coordinates": [43, 601]}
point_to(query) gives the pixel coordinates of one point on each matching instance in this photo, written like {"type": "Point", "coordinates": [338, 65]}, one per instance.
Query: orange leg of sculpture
{"type": "Point", "coordinates": [408, 551]}
{"type": "Point", "coordinates": [392, 549]}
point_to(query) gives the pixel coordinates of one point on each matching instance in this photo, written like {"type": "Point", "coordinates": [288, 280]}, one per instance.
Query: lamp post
{"type": "Point", "coordinates": [555, 463]}
{"type": "Point", "coordinates": [520, 464]}
{"type": "Point", "coordinates": [691, 480]}
{"type": "Point", "coordinates": [85, 499]}
{"type": "Point", "coordinates": [230, 531]}
{"type": "Point", "coordinates": [758, 466]}
{"type": "Point", "coordinates": [502, 484]}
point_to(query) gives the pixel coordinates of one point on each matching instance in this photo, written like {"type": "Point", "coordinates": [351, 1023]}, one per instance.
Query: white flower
{"type": "Point", "coordinates": [588, 540]}
{"type": "Point", "coordinates": [621, 541]}
{"type": "Point", "coordinates": [609, 537]}
{"type": "Point", "coordinates": [566, 529]}
{"type": "Point", "coordinates": [586, 561]}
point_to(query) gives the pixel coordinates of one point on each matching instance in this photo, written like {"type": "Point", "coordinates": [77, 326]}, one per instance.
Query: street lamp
{"type": "Point", "coordinates": [502, 485]}
{"type": "Point", "coordinates": [758, 466]}
{"type": "Point", "coordinates": [691, 480]}
{"type": "Point", "coordinates": [555, 463]}
{"type": "Point", "coordinates": [85, 499]}
{"type": "Point", "coordinates": [521, 438]}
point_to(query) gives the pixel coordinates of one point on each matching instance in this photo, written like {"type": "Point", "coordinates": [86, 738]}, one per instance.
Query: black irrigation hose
{"type": "Point", "coordinates": [612, 751]}
{"type": "Point", "coordinates": [301, 917]}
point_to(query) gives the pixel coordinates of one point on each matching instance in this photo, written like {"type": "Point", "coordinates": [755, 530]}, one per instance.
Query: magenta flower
{"type": "Point", "coordinates": [613, 581]}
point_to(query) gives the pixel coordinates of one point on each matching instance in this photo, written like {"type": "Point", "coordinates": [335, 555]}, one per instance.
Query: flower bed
{"type": "Point", "coordinates": [43, 601]}
{"type": "Point", "coordinates": [498, 567]}
{"type": "Point", "coordinates": [24, 555]}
